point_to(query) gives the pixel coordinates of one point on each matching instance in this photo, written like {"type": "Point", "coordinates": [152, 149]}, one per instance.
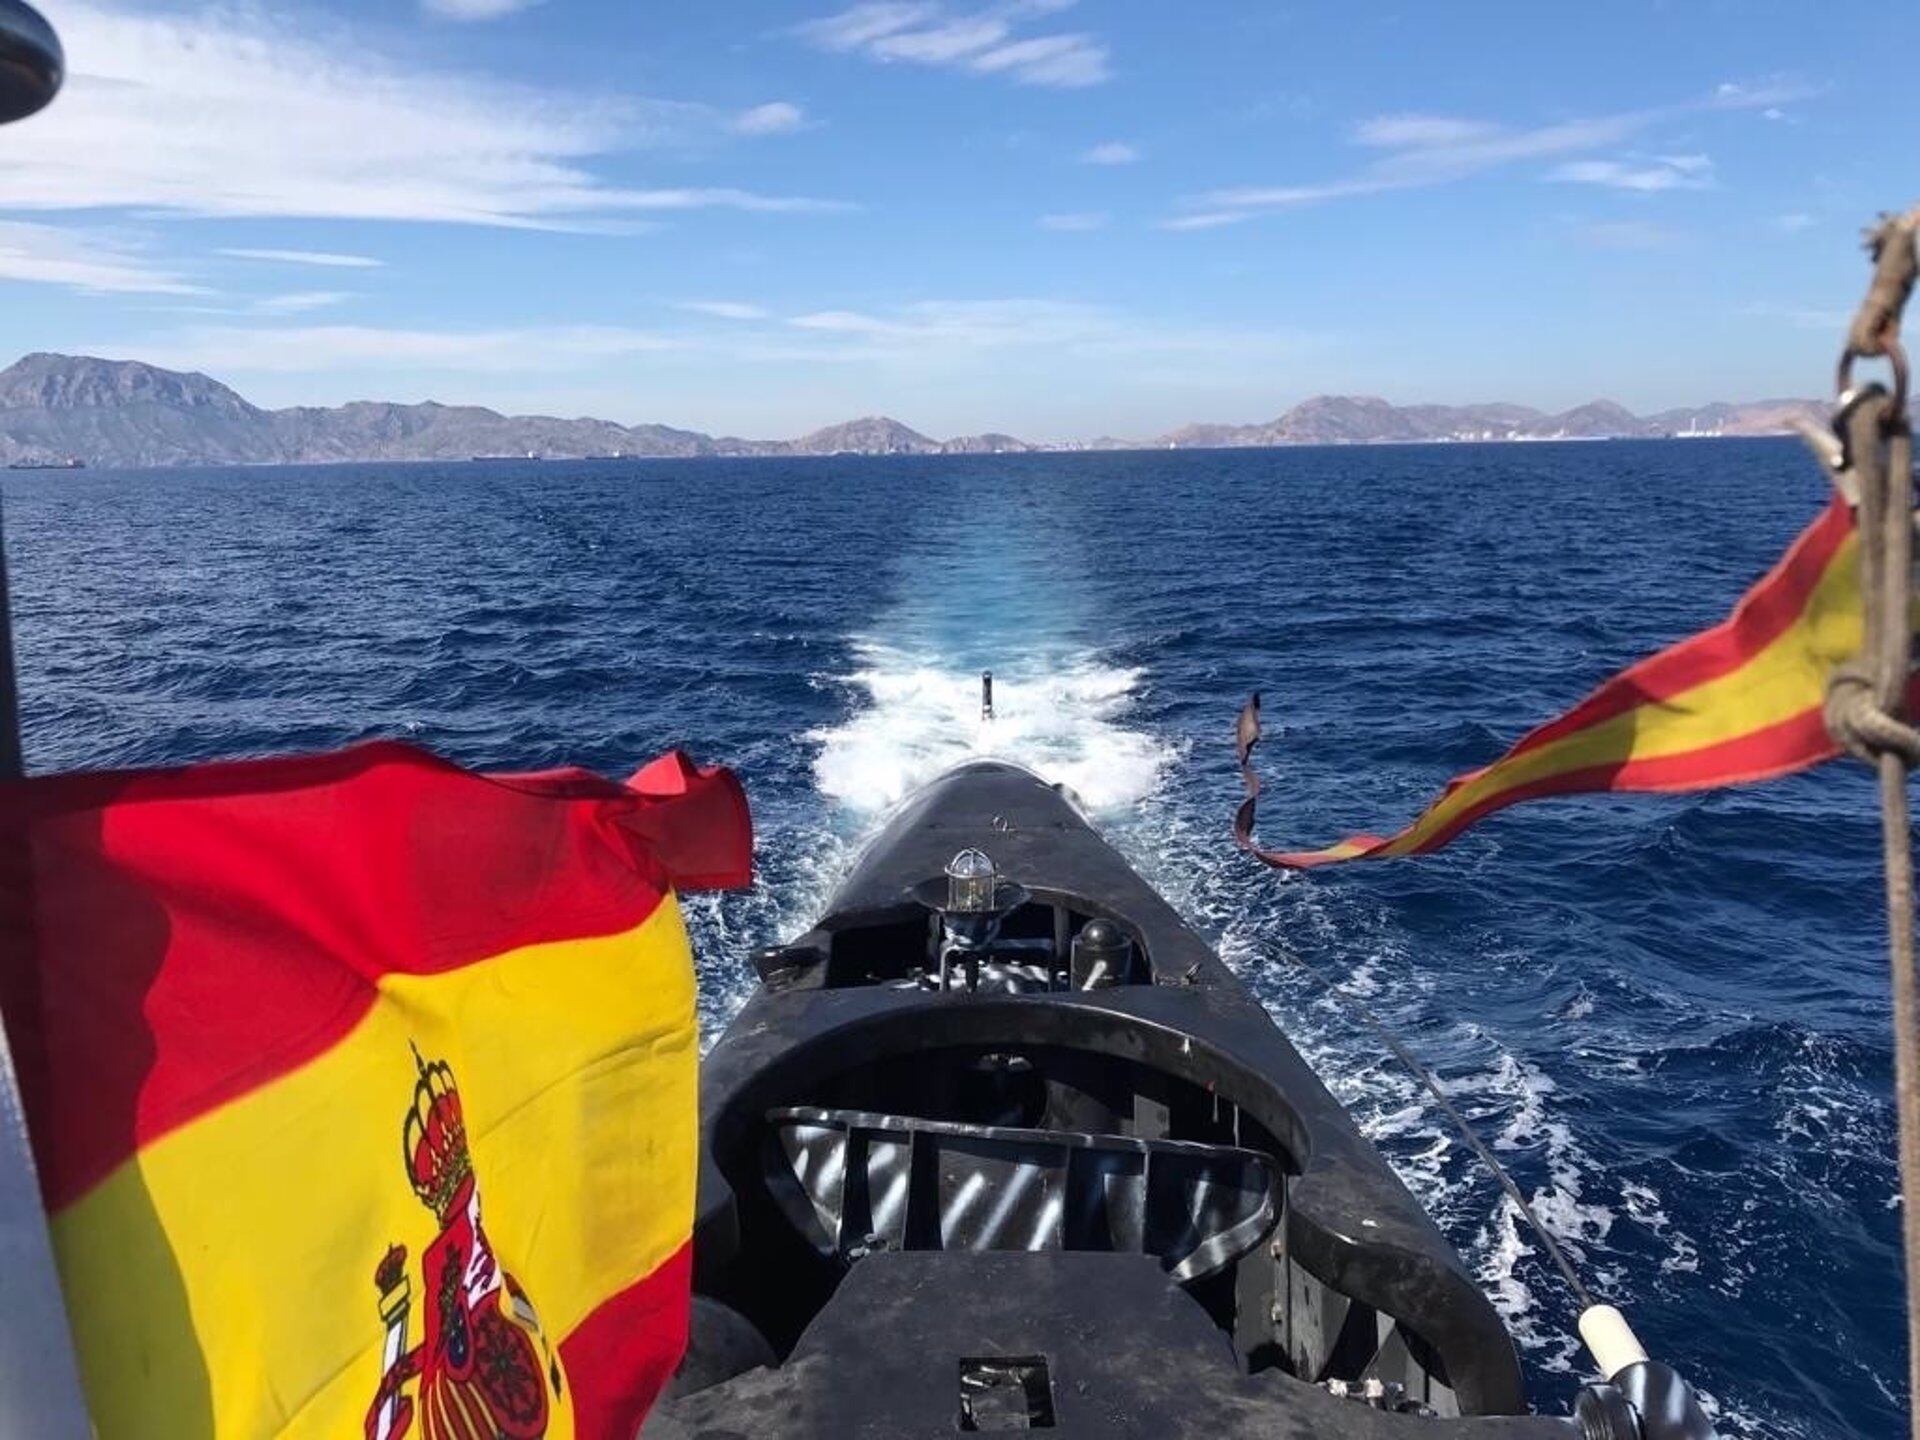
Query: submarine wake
{"type": "Point", "coordinates": [918, 717]}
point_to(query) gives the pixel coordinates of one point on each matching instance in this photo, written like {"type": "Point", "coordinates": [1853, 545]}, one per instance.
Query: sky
{"type": "Point", "coordinates": [1052, 218]}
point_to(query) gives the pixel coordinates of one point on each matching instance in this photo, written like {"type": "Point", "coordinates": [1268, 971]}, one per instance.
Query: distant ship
{"type": "Point", "coordinates": [500, 459]}
{"type": "Point", "coordinates": [70, 462]}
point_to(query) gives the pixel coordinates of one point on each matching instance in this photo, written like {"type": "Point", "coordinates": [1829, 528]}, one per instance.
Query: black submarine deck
{"type": "Point", "coordinates": [1075, 1180]}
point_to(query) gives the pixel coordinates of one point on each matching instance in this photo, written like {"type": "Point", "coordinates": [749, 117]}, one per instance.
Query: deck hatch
{"type": "Point", "coordinates": [1005, 1394]}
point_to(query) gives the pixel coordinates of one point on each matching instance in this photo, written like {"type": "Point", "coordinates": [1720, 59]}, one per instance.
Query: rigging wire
{"type": "Point", "coordinates": [1464, 1126]}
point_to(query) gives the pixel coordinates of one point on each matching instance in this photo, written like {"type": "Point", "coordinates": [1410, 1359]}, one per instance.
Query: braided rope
{"type": "Point", "coordinates": [1865, 701]}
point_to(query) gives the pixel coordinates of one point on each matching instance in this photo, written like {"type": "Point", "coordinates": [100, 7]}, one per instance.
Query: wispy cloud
{"type": "Point", "coordinates": [324, 349]}
{"type": "Point", "coordinates": [1394, 132]}
{"type": "Point", "coordinates": [950, 331]}
{"type": "Point", "coordinates": [1208, 219]}
{"type": "Point", "coordinates": [1746, 95]}
{"type": "Point", "coordinates": [866, 24]}
{"type": "Point", "coordinates": [475, 9]}
{"type": "Point", "coordinates": [301, 302]}
{"type": "Point", "coordinates": [983, 42]}
{"type": "Point", "coordinates": [783, 374]}
{"type": "Point", "coordinates": [84, 261]}
{"type": "Point", "coordinates": [1629, 235]}
{"type": "Point", "coordinates": [1800, 317]}
{"type": "Point", "coordinates": [1646, 175]}
{"type": "Point", "coordinates": [323, 258]}
{"type": "Point", "coordinates": [1793, 222]}
{"type": "Point", "coordinates": [1420, 151]}
{"type": "Point", "coordinates": [724, 309]}
{"type": "Point", "coordinates": [234, 112]}
{"type": "Point", "coordinates": [776, 117]}
{"type": "Point", "coordinates": [1110, 152]}
{"type": "Point", "coordinates": [1077, 220]}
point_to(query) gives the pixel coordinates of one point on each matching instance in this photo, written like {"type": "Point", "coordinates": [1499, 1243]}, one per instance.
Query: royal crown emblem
{"type": "Point", "coordinates": [435, 1139]}
{"type": "Point", "coordinates": [479, 1372]}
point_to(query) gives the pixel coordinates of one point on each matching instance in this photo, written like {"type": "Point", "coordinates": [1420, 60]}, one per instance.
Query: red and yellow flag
{"type": "Point", "coordinates": [362, 1087]}
{"type": "Point", "coordinates": [1739, 702]}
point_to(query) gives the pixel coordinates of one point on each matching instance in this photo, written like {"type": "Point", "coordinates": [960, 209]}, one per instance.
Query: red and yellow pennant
{"type": "Point", "coordinates": [1739, 702]}
{"type": "Point", "coordinates": [362, 1087]}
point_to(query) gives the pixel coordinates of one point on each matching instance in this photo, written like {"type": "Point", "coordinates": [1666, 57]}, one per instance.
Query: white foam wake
{"type": "Point", "coordinates": [918, 718]}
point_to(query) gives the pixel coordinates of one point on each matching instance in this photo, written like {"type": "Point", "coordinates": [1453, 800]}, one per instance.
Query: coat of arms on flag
{"type": "Point", "coordinates": [485, 1369]}
{"type": "Point", "coordinates": [284, 1025]}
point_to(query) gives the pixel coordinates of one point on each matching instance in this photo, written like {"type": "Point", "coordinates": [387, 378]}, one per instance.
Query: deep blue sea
{"type": "Point", "coordinates": [1669, 1014]}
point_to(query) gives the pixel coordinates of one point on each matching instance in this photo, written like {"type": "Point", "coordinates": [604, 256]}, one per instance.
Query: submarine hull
{"type": "Point", "coordinates": [1048, 1164]}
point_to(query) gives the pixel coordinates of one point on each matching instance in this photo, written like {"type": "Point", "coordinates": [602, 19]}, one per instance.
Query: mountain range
{"type": "Point", "coordinates": [125, 413]}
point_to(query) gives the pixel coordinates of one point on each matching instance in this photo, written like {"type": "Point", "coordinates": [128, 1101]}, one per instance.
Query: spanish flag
{"type": "Point", "coordinates": [1739, 702]}
{"type": "Point", "coordinates": [362, 1087]}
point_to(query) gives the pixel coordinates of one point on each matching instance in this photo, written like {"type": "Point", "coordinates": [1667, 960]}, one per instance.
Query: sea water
{"type": "Point", "coordinates": [1668, 1014]}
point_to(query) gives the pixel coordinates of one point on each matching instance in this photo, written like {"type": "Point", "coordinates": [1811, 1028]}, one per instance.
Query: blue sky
{"type": "Point", "coordinates": [1055, 218]}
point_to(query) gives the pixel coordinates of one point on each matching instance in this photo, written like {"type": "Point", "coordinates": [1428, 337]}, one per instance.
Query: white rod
{"type": "Point", "coordinates": [1610, 1339]}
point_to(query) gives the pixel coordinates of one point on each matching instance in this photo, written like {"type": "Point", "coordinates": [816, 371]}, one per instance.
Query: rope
{"type": "Point", "coordinates": [1866, 700]}
{"type": "Point", "coordinates": [1858, 724]}
{"type": "Point", "coordinates": [1467, 1132]}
